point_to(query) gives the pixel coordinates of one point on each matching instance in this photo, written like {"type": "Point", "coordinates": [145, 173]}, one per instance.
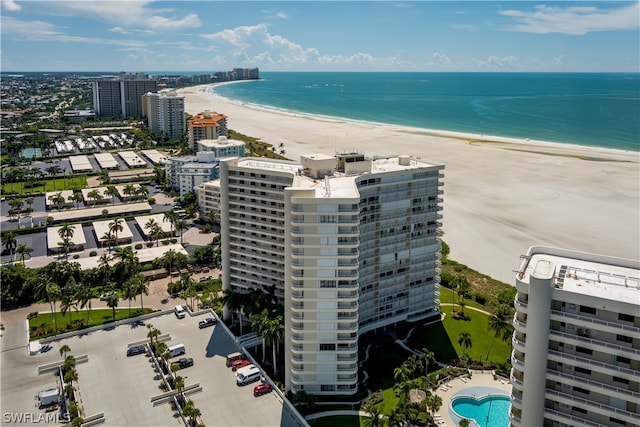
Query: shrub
{"type": "Point", "coordinates": [173, 241]}
{"type": "Point", "coordinates": [149, 244]}
{"type": "Point", "coordinates": [32, 315]}
{"type": "Point", "coordinates": [480, 299]}
{"type": "Point", "coordinates": [76, 256]}
{"type": "Point", "coordinates": [93, 253]}
{"type": "Point", "coordinates": [165, 242]}
{"type": "Point", "coordinates": [138, 246]}
{"type": "Point", "coordinates": [151, 200]}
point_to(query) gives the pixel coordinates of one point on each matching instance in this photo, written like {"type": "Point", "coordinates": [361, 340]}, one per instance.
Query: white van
{"type": "Point", "coordinates": [179, 310]}
{"type": "Point", "coordinates": [247, 375]}
{"type": "Point", "coordinates": [177, 350]}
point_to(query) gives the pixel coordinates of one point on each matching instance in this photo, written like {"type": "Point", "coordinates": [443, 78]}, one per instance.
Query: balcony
{"type": "Point", "coordinates": [568, 419]}
{"type": "Point", "coordinates": [520, 345]}
{"type": "Point", "coordinates": [614, 369]}
{"type": "Point", "coordinates": [602, 388]}
{"type": "Point", "coordinates": [599, 408]}
{"type": "Point", "coordinates": [594, 342]}
{"type": "Point", "coordinates": [614, 326]}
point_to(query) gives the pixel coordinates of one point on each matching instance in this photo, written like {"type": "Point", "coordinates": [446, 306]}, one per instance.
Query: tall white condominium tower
{"type": "Point", "coordinates": [351, 244]}
{"type": "Point", "coordinates": [576, 341]}
{"type": "Point", "coordinates": [165, 113]}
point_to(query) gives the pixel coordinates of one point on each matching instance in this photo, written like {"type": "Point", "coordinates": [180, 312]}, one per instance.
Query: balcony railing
{"type": "Point", "coordinates": [576, 420]}
{"type": "Point", "coordinates": [595, 342]}
{"type": "Point", "coordinates": [585, 403]}
{"type": "Point", "coordinates": [591, 362]}
{"type": "Point", "coordinates": [615, 325]}
{"type": "Point", "coordinates": [593, 384]}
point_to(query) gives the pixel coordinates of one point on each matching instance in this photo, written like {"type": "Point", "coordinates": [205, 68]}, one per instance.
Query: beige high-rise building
{"type": "Point", "coordinates": [351, 244]}
{"type": "Point", "coordinates": [576, 341]}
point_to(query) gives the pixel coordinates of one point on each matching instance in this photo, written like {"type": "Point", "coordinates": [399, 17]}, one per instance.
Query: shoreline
{"type": "Point", "coordinates": [501, 195]}
{"type": "Point", "coordinates": [467, 136]}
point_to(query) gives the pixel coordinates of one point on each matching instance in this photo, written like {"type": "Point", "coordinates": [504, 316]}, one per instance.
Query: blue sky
{"type": "Point", "coordinates": [320, 36]}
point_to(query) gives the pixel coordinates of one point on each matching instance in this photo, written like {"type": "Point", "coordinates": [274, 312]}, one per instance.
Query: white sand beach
{"type": "Point", "coordinates": [501, 195]}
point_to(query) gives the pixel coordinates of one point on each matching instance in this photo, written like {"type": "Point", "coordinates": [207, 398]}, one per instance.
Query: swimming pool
{"type": "Point", "coordinates": [488, 411]}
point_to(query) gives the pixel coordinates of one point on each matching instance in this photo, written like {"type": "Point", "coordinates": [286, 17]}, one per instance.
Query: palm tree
{"type": "Point", "coordinates": [116, 226]}
{"type": "Point", "coordinates": [181, 226]}
{"type": "Point", "coordinates": [66, 232]}
{"type": "Point", "coordinates": [58, 200]}
{"type": "Point", "coordinates": [129, 190]}
{"type": "Point", "coordinates": [94, 195]}
{"type": "Point", "coordinates": [464, 422]}
{"type": "Point", "coordinates": [29, 202]}
{"type": "Point", "coordinates": [500, 326]}
{"type": "Point", "coordinates": [169, 258]}
{"type": "Point", "coordinates": [461, 286]}
{"type": "Point", "coordinates": [10, 242]}
{"type": "Point", "coordinates": [53, 171]}
{"type": "Point", "coordinates": [170, 216]}
{"type": "Point", "coordinates": [191, 411]}
{"type": "Point", "coordinates": [84, 298]}
{"type": "Point", "coordinates": [112, 303]}
{"type": "Point", "coordinates": [464, 341]}
{"type": "Point", "coordinates": [64, 349]}
{"type": "Point", "coordinates": [178, 384]}
{"type": "Point", "coordinates": [129, 293]}
{"type": "Point", "coordinates": [140, 286]}
{"type": "Point", "coordinates": [153, 333]}
{"type": "Point", "coordinates": [76, 198]}
{"type": "Point", "coordinates": [258, 322]}
{"type": "Point", "coordinates": [427, 358]}
{"type": "Point", "coordinates": [272, 332]}
{"type": "Point", "coordinates": [66, 304]}
{"type": "Point", "coordinates": [232, 300]}
{"type": "Point", "coordinates": [153, 230]}
{"type": "Point", "coordinates": [23, 250]}
{"type": "Point", "coordinates": [109, 240]}
{"type": "Point", "coordinates": [113, 192]}
{"type": "Point", "coordinates": [48, 291]}
{"type": "Point", "coordinates": [142, 191]}
{"type": "Point", "coordinates": [374, 417]}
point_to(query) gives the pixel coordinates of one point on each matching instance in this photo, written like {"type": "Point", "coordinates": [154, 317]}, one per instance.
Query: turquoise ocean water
{"type": "Point", "coordinates": [594, 109]}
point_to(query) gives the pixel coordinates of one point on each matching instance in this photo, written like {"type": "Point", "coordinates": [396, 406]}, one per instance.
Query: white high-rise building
{"type": "Point", "coordinates": [576, 341]}
{"type": "Point", "coordinates": [351, 244]}
{"type": "Point", "coordinates": [165, 113]}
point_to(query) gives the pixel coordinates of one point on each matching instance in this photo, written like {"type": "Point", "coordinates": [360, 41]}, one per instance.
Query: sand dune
{"type": "Point", "coordinates": [502, 195]}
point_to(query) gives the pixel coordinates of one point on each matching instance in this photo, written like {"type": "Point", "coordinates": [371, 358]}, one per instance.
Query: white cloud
{"type": "Point", "coordinates": [131, 14]}
{"type": "Point", "coordinates": [256, 45]}
{"type": "Point", "coordinates": [10, 5]}
{"type": "Point", "coordinates": [441, 59]}
{"type": "Point", "coordinates": [464, 27]}
{"type": "Point", "coordinates": [574, 20]}
{"type": "Point", "coordinates": [497, 62]}
{"type": "Point", "coordinates": [44, 31]}
{"type": "Point", "coordinates": [275, 15]}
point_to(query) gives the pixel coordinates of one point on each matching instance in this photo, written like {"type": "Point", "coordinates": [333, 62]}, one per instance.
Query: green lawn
{"type": "Point", "coordinates": [447, 297]}
{"type": "Point", "coordinates": [442, 338]}
{"type": "Point", "coordinates": [41, 326]}
{"type": "Point", "coordinates": [58, 184]}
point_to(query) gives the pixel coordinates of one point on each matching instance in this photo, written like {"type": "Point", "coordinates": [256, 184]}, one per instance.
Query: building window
{"type": "Point", "coordinates": [624, 338]}
{"type": "Point", "coordinates": [621, 380]}
{"type": "Point", "coordinates": [327, 387]}
{"type": "Point", "coordinates": [581, 390]}
{"type": "Point", "coordinates": [626, 317]}
{"type": "Point", "coordinates": [582, 370]}
{"type": "Point", "coordinates": [584, 350]}
{"type": "Point", "coordinates": [622, 359]}
{"type": "Point", "coordinates": [578, 409]}
{"type": "Point", "coordinates": [587, 309]}
{"type": "Point", "coordinates": [327, 347]}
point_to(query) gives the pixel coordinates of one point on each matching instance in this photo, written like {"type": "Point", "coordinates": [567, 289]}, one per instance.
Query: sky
{"type": "Point", "coordinates": [211, 36]}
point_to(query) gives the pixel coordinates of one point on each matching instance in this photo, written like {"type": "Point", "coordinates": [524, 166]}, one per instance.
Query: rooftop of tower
{"type": "Point", "coordinates": [616, 279]}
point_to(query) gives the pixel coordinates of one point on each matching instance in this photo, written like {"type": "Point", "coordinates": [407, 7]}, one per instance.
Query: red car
{"type": "Point", "coordinates": [262, 388]}
{"type": "Point", "coordinates": [240, 363]}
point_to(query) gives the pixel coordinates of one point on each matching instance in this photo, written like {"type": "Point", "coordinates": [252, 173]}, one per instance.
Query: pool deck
{"type": "Point", "coordinates": [480, 383]}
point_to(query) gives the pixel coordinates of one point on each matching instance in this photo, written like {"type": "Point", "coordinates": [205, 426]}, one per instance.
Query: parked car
{"type": "Point", "coordinates": [240, 363]}
{"type": "Point", "coordinates": [104, 297]}
{"type": "Point", "coordinates": [185, 362]}
{"type": "Point", "coordinates": [262, 388]}
{"type": "Point", "coordinates": [209, 321]}
{"type": "Point", "coordinates": [138, 349]}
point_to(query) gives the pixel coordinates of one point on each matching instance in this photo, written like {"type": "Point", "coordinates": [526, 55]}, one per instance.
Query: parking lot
{"type": "Point", "coordinates": [121, 387]}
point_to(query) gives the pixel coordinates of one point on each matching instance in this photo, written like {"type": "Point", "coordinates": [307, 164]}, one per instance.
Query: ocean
{"type": "Point", "coordinates": [592, 109]}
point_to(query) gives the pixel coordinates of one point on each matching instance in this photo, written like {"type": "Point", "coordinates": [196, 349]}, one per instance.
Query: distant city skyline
{"type": "Point", "coordinates": [320, 36]}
